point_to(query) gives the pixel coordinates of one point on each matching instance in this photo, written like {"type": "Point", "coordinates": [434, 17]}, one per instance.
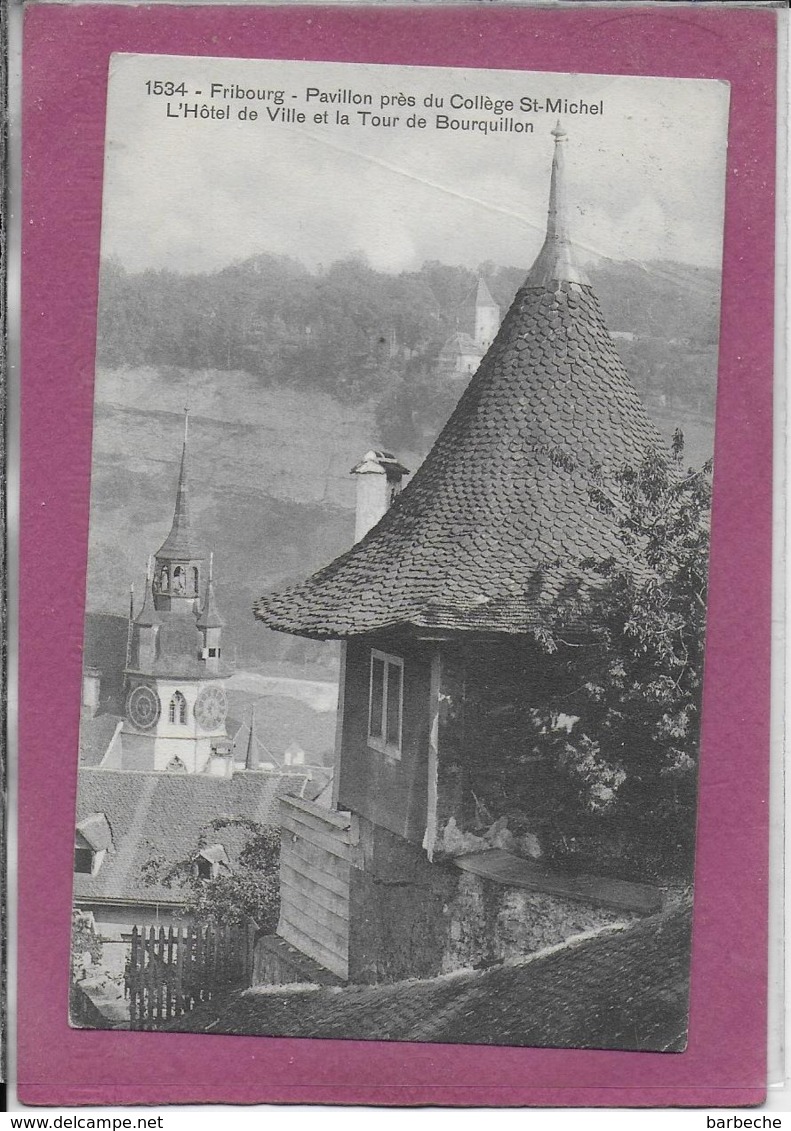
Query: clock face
{"type": "Point", "coordinates": [143, 707]}
{"type": "Point", "coordinates": [210, 708]}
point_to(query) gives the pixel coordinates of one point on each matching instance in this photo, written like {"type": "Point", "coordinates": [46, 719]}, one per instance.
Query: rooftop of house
{"type": "Point", "coordinates": [500, 515]}
{"type": "Point", "coordinates": [96, 832]}
{"type": "Point", "coordinates": [96, 734]}
{"type": "Point", "coordinates": [460, 343]}
{"type": "Point", "coordinates": [166, 814]}
{"type": "Point", "coordinates": [618, 989]}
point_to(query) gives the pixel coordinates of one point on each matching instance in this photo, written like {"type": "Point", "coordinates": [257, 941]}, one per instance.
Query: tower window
{"type": "Point", "coordinates": [195, 580]}
{"type": "Point", "coordinates": [386, 703]}
{"type": "Point", "coordinates": [177, 711]}
{"type": "Point", "coordinates": [179, 581]}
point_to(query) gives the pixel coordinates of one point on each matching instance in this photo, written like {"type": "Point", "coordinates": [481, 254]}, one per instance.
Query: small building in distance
{"type": "Point", "coordinates": [462, 353]}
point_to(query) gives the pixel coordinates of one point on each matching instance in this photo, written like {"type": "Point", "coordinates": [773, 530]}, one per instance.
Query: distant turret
{"type": "Point", "coordinates": [487, 317]}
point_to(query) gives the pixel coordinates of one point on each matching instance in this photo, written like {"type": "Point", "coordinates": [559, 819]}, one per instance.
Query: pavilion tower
{"type": "Point", "coordinates": [438, 608]}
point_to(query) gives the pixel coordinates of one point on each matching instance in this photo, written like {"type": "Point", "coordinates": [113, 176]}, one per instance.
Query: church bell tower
{"type": "Point", "coordinates": [175, 695]}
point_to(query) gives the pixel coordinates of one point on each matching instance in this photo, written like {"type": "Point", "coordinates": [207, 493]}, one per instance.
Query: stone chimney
{"type": "Point", "coordinates": [91, 686]}
{"type": "Point", "coordinates": [379, 476]}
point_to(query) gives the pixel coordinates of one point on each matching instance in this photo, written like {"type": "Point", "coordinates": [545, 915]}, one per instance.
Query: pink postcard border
{"type": "Point", "coordinates": [65, 60]}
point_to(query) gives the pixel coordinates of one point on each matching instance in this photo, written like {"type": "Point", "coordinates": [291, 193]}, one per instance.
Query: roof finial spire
{"type": "Point", "coordinates": [178, 544]}
{"type": "Point", "coordinates": [556, 262]}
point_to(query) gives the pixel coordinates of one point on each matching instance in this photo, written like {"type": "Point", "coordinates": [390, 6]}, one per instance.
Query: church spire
{"type": "Point", "coordinates": [178, 543]}
{"type": "Point", "coordinates": [209, 614]}
{"type": "Point", "coordinates": [251, 759]}
{"type": "Point", "coordinates": [556, 262]}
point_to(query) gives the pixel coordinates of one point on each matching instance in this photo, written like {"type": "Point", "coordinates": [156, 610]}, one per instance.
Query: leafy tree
{"type": "Point", "coordinates": [249, 890]}
{"type": "Point", "coordinates": [84, 941]}
{"type": "Point", "coordinates": [624, 772]}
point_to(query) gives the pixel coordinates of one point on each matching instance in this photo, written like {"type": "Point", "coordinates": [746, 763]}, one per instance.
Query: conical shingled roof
{"type": "Point", "coordinates": [178, 546]}
{"type": "Point", "coordinates": [499, 514]}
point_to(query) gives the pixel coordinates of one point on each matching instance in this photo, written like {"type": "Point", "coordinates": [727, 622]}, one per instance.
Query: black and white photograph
{"type": "Point", "coordinates": [397, 565]}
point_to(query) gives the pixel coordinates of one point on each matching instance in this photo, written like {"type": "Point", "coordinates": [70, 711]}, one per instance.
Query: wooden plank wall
{"type": "Point", "coordinates": [319, 847]}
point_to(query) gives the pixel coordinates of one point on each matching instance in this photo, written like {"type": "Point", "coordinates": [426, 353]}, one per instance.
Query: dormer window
{"type": "Point", "coordinates": [386, 703]}
{"type": "Point", "coordinates": [177, 710]}
{"type": "Point", "coordinates": [83, 860]}
{"type": "Point", "coordinates": [93, 837]}
{"type": "Point", "coordinates": [211, 862]}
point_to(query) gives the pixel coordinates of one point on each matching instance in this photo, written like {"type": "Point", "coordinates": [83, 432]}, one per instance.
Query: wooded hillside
{"type": "Point", "coordinates": [291, 375]}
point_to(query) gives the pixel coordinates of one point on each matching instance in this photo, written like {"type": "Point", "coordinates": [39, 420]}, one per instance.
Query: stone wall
{"type": "Point", "coordinates": [489, 922]}
{"type": "Point", "coordinates": [413, 919]}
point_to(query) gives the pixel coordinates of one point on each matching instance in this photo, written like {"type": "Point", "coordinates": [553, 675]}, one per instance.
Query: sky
{"type": "Point", "coordinates": [645, 177]}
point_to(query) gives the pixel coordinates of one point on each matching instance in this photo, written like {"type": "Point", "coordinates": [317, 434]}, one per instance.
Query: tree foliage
{"type": "Point", "coordinates": [249, 890]}
{"type": "Point", "coordinates": [84, 941]}
{"type": "Point", "coordinates": [623, 770]}
{"type": "Point", "coordinates": [365, 335]}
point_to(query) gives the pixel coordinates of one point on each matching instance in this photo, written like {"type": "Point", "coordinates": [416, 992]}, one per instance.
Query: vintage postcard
{"type": "Point", "coordinates": [404, 417]}
{"type": "Point", "coordinates": [400, 612]}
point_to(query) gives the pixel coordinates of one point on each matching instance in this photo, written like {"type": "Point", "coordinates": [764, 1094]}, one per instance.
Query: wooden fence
{"type": "Point", "coordinates": [170, 972]}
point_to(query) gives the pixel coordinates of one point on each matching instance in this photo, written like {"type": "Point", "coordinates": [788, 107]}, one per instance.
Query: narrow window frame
{"type": "Point", "coordinates": [380, 742]}
{"type": "Point", "coordinates": [177, 710]}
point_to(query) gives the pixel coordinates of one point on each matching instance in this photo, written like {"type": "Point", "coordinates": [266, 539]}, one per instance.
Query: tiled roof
{"type": "Point", "coordinates": [179, 645]}
{"type": "Point", "coordinates": [165, 813]}
{"type": "Point", "coordinates": [489, 527]}
{"type": "Point", "coordinates": [96, 734]}
{"type": "Point", "coordinates": [96, 832]}
{"type": "Point", "coordinates": [622, 989]}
